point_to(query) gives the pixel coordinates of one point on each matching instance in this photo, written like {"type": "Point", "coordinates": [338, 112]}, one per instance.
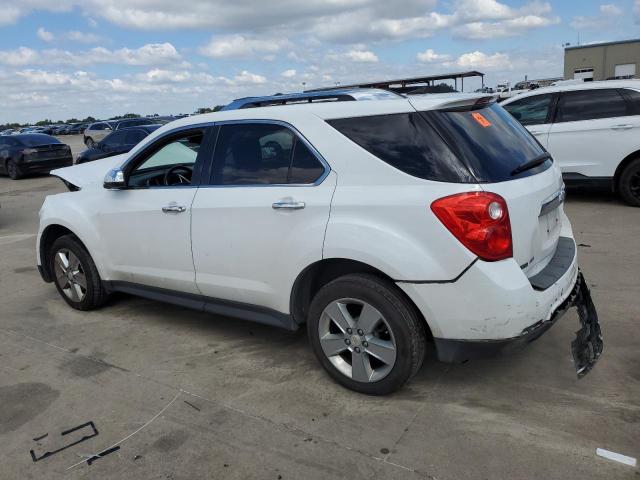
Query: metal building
{"type": "Point", "coordinates": [603, 61]}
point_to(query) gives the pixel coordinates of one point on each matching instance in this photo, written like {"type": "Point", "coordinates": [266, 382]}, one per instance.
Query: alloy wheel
{"type": "Point", "coordinates": [634, 184]}
{"type": "Point", "coordinates": [357, 340]}
{"type": "Point", "coordinates": [70, 275]}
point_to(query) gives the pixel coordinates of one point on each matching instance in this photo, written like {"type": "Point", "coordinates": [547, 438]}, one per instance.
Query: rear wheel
{"type": "Point", "coordinates": [365, 334]}
{"type": "Point", "coordinates": [629, 183]}
{"type": "Point", "coordinates": [75, 275]}
{"type": "Point", "coordinates": [13, 170]}
{"type": "Point", "coordinates": [89, 142]}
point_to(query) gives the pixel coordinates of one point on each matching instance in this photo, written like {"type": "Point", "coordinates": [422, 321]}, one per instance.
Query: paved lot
{"type": "Point", "coordinates": [238, 400]}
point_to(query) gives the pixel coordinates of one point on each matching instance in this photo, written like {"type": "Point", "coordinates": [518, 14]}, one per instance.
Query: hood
{"type": "Point", "coordinates": [89, 174]}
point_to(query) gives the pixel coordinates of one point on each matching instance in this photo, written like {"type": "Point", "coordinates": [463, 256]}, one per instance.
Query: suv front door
{"type": "Point", "coordinates": [262, 218]}
{"type": "Point", "coordinates": [146, 226]}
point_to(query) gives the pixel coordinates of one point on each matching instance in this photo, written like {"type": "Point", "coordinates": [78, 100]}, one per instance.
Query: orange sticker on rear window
{"type": "Point", "coordinates": [478, 117]}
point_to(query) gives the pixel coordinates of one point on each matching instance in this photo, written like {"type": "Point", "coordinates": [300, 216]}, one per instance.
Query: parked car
{"type": "Point", "coordinates": [99, 130]}
{"type": "Point", "coordinates": [116, 143]}
{"type": "Point", "coordinates": [32, 153]}
{"type": "Point", "coordinates": [592, 129]}
{"type": "Point", "coordinates": [77, 128]}
{"type": "Point", "coordinates": [59, 129]}
{"type": "Point", "coordinates": [96, 132]}
{"type": "Point", "coordinates": [386, 224]}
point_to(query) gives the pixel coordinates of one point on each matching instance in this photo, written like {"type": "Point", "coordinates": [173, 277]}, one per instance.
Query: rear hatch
{"type": "Point", "coordinates": [504, 158]}
{"type": "Point", "coordinates": [48, 152]}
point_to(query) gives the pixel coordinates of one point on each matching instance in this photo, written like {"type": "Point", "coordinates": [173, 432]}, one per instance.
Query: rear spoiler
{"type": "Point", "coordinates": [468, 103]}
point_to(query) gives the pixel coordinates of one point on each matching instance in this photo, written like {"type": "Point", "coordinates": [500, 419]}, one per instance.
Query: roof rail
{"type": "Point", "coordinates": [336, 95]}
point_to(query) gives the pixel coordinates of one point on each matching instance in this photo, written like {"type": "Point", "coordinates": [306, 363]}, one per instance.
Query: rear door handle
{"type": "Point", "coordinates": [172, 208]}
{"type": "Point", "coordinates": [537, 133]}
{"type": "Point", "coordinates": [288, 205]}
{"type": "Point", "coordinates": [624, 126]}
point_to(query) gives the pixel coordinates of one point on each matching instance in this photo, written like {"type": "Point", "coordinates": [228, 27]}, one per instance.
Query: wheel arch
{"type": "Point", "coordinates": [319, 273]}
{"type": "Point", "coordinates": [49, 235]}
{"type": "Point", "coordinates": [621, 166]}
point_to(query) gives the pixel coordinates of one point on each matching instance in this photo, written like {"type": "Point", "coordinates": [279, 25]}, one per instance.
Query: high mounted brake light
{"type": "Point", "coordinates": [480, 221]}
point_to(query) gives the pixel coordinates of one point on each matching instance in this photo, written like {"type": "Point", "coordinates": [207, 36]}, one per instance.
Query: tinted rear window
{"type": "Point", "coordinates": [489, 141]}
{"type": "Point", "coordinates": [35, 139]}
{"type": "Point", "coordinates": [407, 142]}
{"type": "Point", "coordinates": [590, 105]}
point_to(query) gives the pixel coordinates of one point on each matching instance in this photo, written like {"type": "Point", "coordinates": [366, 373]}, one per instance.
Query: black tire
{"type": "Point", "coordinates": [629, 183]}
{"type": "Point", "coordinates": [89, 142]}
{"type": "Point", "coordinates": [13, 170]}
{"type": "Point", "coordinates": [400, 315]}
{"type": "Point", "coordinates": [95, 294]}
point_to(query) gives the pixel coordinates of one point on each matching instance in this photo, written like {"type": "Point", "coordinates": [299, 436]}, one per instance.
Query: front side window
{"type": "Point", "coordinates": [169, 162]}
{"type": "Point", "coordinates": [531, 110]}
{"type": "Point", "coordinates": [262, 154]}
{"type": "Point", "coordinates": [590, 105]}
{"type": "Point", "coordinates": [133, 137]}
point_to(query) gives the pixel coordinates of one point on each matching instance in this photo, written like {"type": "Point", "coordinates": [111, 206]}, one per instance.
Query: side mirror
{"type": "Point", "coordinates": [114, 180]}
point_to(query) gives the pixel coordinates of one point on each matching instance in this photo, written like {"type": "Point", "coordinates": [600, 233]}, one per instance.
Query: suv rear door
{"type": "Point", "coordinates": [593, 131]}
{"type": "Point", "coordinates": [262, 218]}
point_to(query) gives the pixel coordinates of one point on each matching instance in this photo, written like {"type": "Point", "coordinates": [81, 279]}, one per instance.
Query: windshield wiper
{"type": "Point", "coordinates": [534, 162]}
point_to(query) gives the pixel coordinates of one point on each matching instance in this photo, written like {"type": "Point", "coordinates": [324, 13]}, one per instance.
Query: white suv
{"type": "Point", "coordinates": [591, 129]}
{"type": "Point", "coordinates": [382, 224]}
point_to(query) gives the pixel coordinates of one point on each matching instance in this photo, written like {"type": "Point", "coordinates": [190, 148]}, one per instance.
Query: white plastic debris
{"type": "Point", "coordinates": [616, 457]}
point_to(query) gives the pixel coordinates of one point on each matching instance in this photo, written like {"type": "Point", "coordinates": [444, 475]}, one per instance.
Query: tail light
{"type": "Point", "coordinates": [480, 221]}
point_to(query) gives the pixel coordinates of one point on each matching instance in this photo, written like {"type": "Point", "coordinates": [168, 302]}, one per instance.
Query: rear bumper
{"type": "Point", "coordinates": [458, 351]}
{"type": "Point", "coordinates": [46, 165]}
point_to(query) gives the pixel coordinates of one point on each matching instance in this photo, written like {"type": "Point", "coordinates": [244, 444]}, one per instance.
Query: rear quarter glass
{"type": "Point", "coordinates": [407, 142]}
{"type": "Point", "coordinates": [489, 141]}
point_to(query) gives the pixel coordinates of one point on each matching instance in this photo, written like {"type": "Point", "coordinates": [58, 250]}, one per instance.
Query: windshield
{"type": "Point", "coordinates": [35, 139]}
{"type": "Point", "coordinates": [489, 141]}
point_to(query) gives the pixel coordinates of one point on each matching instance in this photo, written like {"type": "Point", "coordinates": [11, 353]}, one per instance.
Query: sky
{"type": "Point", "coordinates": [70, 58]}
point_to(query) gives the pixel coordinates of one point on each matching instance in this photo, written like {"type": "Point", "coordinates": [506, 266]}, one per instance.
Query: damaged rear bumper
{"type": "Point", "coordinates": [586, 347]}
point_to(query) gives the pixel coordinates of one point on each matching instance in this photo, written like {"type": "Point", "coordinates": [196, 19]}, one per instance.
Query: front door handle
{"type": "Point", "coordinates": [173, 208]}
{"type": "Point", "coordinates": [288, 205]}
{"type": "Point", "coordinates": [624, 126]}
{"type": "Point", "coordinates": [537, 133]}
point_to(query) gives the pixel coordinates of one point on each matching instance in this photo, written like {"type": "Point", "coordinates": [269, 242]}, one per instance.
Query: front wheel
{"type": "Point", "coordinates": [629, 184]}
{"type": "Point", "coordinates": [366, 335]}
{"type": "Point", "coordinates": [13, 170]}
{"type": "Point", "coordinates": [75, 275]}
{"type": "Point", "coordinates": [89, 142]}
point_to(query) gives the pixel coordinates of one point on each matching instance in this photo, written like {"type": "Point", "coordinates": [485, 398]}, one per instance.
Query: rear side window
{"type": "Point", "coordinates": [489, 141]}
{"type": "Point", "coordinates": [407, 142]}
{"type": "Point", "coordinates": [134, 136]}
{"type": "Point", "coordinates": [262, 154]}
{"type": "Point", "coordinates": [633, 100]}
{"type": "Point", "coordinates": [531, 110]}
{"type": "Point", "coordinates": [590, 105]}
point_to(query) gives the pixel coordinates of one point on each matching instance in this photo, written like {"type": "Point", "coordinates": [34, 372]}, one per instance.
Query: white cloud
{"type": "Point", "coordinates": [611, 10]}
{"type": "Point", "coordinates": [246, 77]}
{"type": "Point", "coordinates": [362, 56]}
{"type": "Point", "coordinates": [83, 37]}
{"type": "Point", "coordinates": [44, 35]}
{"type": "Point", "coordinates": [149, 54]}
{"type": "Point", "coordinates": [240, 46]}
{"type": "Point", "coordinates": [480, 60]}
{"type": "Point", "coordinates": [430, 56]}
{"type": "Point", "coordinates": [289, 73]}
{"type": "Point", "coordinates": [608, 12]}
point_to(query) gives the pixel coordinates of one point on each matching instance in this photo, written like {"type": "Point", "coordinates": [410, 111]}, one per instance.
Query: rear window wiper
{"type": "Point", "coordinates": [534, 162]}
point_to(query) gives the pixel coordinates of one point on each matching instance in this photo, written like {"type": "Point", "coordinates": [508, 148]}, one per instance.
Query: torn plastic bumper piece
{"type": "Point", "coordinates": [586, 347]}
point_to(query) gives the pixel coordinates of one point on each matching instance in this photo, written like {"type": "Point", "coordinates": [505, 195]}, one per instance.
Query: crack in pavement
{"type": "Point", "coordinates": [280, 425]}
